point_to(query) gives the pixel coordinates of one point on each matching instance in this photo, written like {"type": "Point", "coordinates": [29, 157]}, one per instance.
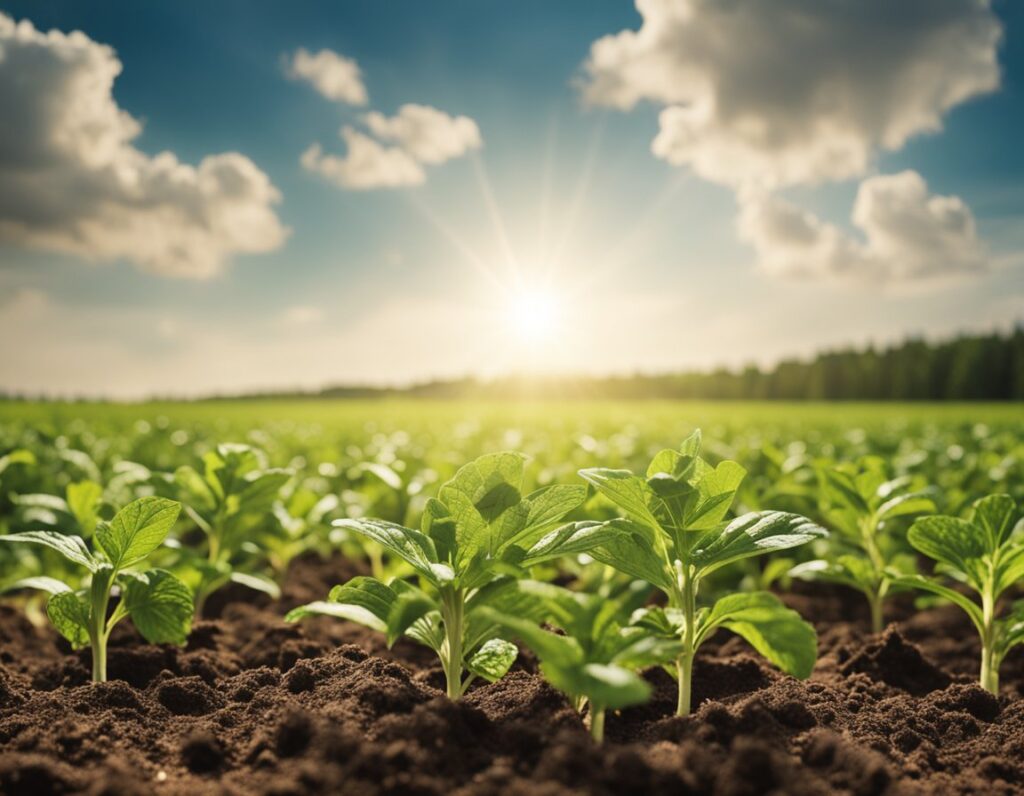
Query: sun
{"type": "Point", "coordinates": [534, 316]}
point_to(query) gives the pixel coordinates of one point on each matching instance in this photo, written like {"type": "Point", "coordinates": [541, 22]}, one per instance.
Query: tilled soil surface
{"type": "Point", "coordinates": [253, 705]}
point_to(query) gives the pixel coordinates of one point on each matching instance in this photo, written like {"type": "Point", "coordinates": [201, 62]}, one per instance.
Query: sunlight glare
{"type": "Point", "coordinates": [533, 315]}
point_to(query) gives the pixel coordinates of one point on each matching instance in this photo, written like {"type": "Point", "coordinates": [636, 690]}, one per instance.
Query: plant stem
{"type": "Point", "coordinates": [451, 652]}
{"type": "Point", "coordinates": [684, 664]}
{"type": "Point", "coordinates": [875, 602]}
{"type": "Point", "coordinates": [989, 677]}
{"type": "Point", "coordinates": [99, 592]}
{"type": "Point", "coordinates": [596, 723]}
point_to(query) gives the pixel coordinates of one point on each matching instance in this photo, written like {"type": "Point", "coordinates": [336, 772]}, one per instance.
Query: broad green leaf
{"type": "Point", "coordinates": [954, 542]}
{"type": "Point", "coordinates": [160, 606]}
{"type": "Point", "coordinates": [905, 505]}
{"type": "Point", "coordinates": [994, 514]}
{"type": "Point", "coordinates": [692, 444]}
{"type": "Point", "coordinates": [550, 647]}
{"type": "Point", "coordinates": [493, 659]}
{"type": "Point", "coordinates": [775, 631]}
{"type": "Point", "coordinates": [83, 498]}
{"type": "Point", "coordinates": [610, 686]}
{"type": "Point", "coordinates": [571, 539]}
{"type": "Point", "coordinates": [412, 546]}
{"type": "Point", "coordinates": [257, 582]}
{"type": "Point", "coordinates": [637, 649]}
{"type": "Point", "coordinates": [629, 550]}
{"type": "Point", "coordinates": [663, 621]}
{"type": "Point", "coordinates": [69, 613]}
{"type": "Point", "coordinates": [384, 474]}
{"type": "Point", "coordinates": [137, 530]}
{"type": "Point", "coordinates": [628, 491]}
{"type": "Point", "coordinates": [71, 547]}
{"type": "Point", "coordinates": [437, 523]}
{"type": "Point", "coordinates": [261, 490]}
{"type": "Point", "coordinates": [841, 489]}
{"type": "Point", "coordinates": [408, 607]}
{"type": "Point", "coordinates": [847, 570]}
{"type": "Point", "coordinates": [1010, 630]}
{"type": "Point", "coordinates": [485, 501]}
{"type": "Point", "coordinates": [716, 489]}
{"type": "Point", "coordinates": [972, 609]}
{"type": "Point", "coordinates": [17, 456]}
{"type": "Point", "coordinates": [197, 490]}
{"type": "Point", "coordinates": [370, 595]}
{"type": "Point", "coordinates": [40, 582]}
{"type": "Point", "coordinates": [1009, 570]}
{"type": "Point", "coordinates": [353, 613]}
{"type": "Point", "coordinates": [549, 504]}
{"type": "Point", "coordinates": [753, 534]}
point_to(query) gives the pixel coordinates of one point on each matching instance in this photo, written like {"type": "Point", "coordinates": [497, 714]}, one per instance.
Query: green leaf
{"type": "Point", "coordinates": [954, 542]}
{"type": "Point", "coordinates": [841, 488]}
{"type": "Point", "coordinates": [775, 631]}
{"type": "Point", "coordinates": [994, 514]}
{"type": "Point", "coordinates": [137, 530]}
{"type": "Point", "coordinates": [257, 582]}
{"type": "Point", "coordinates": [71, 547]}
{"type": "Point", "coordinates": [198, 493]}
{"type": "Point", "coordinates": [571, 539]}
{"type": "Point", "coordinates": [83, 498]}
{"type": "Point", "coordinates": [852, 571]}
{"type": "Point", "coordinates": [409, 606]}
{"type": "Point", "coordinates": [493, 659]}
{"type": "Point", "coordinates": [926, 584]}
{"type": "Point", "coordinates": [662, 621]}
{"type": "Point", "coordinates": [753, 534]}
{"type": "Point", "coordinates": [40, 582]}
{"type": "Point", "coordinates": [629, 550]}
{"type": "Point", "coordinates": [608, 686]}
{"type": "Point", "coordinates": [261, 490]}
{"type": "Point", "coordinates": [412, 546]}
{"type": "Point", "coordinates": [69, 612]}
{"type": "Point", "coordinates": [550, 647]}
{"type": "Point", "coordinates": [353, 613]}
{"type": "Point", "coordinates": [716, 491]}
{"type": "Point", "coordinates": [628, 491]}
{"type": "Point", "coordinates": [17, 456]}
{"type": "Point", "coordinates": [905, 505]}
{"type": "Point", "coordinates": [437, 523]}
{"type": "Point", "coordinates": [160, 606]}
{"type": "Point", "coordinates": [549, 504]}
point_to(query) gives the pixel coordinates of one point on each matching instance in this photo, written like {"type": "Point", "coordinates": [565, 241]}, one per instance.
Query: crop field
{"type": "Point", "coordinates": [456, 597]}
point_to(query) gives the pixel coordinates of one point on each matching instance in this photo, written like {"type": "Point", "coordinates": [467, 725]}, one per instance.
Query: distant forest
{"type": "Point", "coordinates": [967, 368]}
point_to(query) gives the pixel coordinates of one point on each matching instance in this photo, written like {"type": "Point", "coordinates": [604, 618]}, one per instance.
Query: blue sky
{"type": "Point", "coordinates": [595, 255]}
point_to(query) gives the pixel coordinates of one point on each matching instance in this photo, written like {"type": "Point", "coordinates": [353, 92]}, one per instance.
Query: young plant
{"type": "Point", "coordinates": [230, 501]}
{"type": "Point", "coordinates": [862, 503]}
{"type": "Point", "coordinates": [159, 604]}
{"type": "Point", "coordinates": [594, 661]}
{"type": "Point", "coordinates": [675, 535]}
{"type": "Point", "coordinates": [986, 554]}
{"type": "Point", "coordinates": [475, 539]}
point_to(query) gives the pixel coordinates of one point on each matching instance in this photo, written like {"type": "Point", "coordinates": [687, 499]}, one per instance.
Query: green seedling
{"type": "Point", "coordinates": [231, 501]}
{"type": "Point", "coordinates": [594, 660]}
{"type": "Point", "coordinates": [475, 540]}
{"type": "Point", "coordinates": [675, 534]}
{"type": "Point", "coordinates": [986, 554]}
{"type": "Point", "coordinates": [864, 506]}
{"type": "Point", "coordinates": [160, 605]}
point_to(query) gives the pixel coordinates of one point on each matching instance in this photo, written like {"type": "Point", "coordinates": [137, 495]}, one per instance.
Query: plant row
{"type": "Point", "coordinates": [656, 560]}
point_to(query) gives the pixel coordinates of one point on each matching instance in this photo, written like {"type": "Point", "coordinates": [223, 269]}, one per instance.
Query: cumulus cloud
{"type": "Point", "coordinates": [367, 164]}
{"type": "Point", "coordinates": [783, 92]}
{"type": "Point", "coordinates": [428, 134]}
{"type": "Point", "coordinates": [71, 181]}
{"type": "Point", "coordinates": [336, 77]}
{"type": "Point", "coordinates": [907, 235]}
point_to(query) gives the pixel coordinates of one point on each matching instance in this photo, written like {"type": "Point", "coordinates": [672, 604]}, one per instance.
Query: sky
{"type": "Point", "coordinates": [247, 195]}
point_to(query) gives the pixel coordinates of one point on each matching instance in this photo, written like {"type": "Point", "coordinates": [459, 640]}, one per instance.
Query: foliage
{"type": "Point", "coordinates": [230, 501]}
{"type": "Point", "coordinates": [475, 539]}
{"type": "Point", "coordinates": [159, 604]}
{"type": "Point", "coordinates": [675, 534]}
{"type": "Point", "coordinates": [984, 553]}
{"type": "Point", "coordinates": [594, 659]}
{"type": "Point", "coordinates": [864, 505]}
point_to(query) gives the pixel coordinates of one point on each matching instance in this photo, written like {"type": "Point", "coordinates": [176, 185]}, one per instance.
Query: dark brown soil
{"type": "Point", "coordinates": [253, 705]}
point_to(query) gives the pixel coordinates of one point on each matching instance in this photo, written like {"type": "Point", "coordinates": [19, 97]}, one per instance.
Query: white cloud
{"type": "Point", "coordinates": [908, 235]}
{"type": "Point", "coordinates": [367, 164]}
{"type": "Point", "coordinates": [781, 92]}
{"type": "Point", "coordinates": [428, 134]}
{"type": "Point", "coordinates": [336, 77]}
{"type": "Point", "coordinates": [70, 180]}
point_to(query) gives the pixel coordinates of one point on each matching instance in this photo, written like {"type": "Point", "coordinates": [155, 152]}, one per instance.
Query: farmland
{"type": "Point", "coordinates": [826, 642]}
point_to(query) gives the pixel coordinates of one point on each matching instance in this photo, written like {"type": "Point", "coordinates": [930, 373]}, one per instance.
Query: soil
{"type": "Point", "coordinates": [254, 705]}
